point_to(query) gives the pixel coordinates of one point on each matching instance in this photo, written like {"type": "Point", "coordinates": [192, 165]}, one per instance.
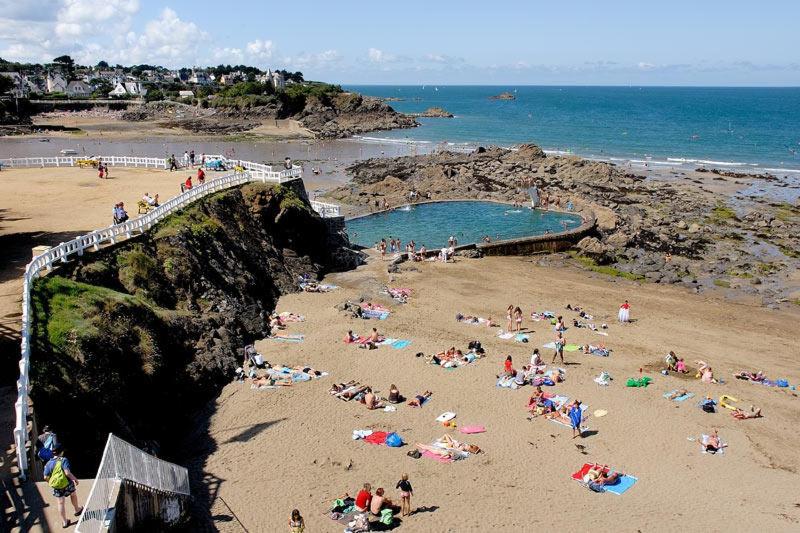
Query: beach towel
{"type": "Point", "coordinates": [400, 344]}
{"type": "Point", "coordinates": [507, 382]}
{"type": "Point", "coordinates": [679, 398]}
{"type": "Point", "coordinates": [374, 313]}
{"type": "Point", "coordinates": [641, 382]}
{"type": "Point", "coordinates": [469, 430]}
{"type": "Point", "coordinates": [521, 337]}
{"type": "Point", "coordinates": [567, 348]}
{"type": "Point", "coordinates": [446, 416]}
{"type": "Point", "coordinates": [436, 457]}
{"type": "Point", "coordinates": [287, 316]}
{"type": "Point", "coordinates": [287, 337]}
{"type": "Point", "coordinates": [376, 437]}
{"type": "Point", "coordinates": [505, 336]}
{"type": "Point", "coordinates": [623, 483]}
{"type": "Point", "coordinates": [561, 422]}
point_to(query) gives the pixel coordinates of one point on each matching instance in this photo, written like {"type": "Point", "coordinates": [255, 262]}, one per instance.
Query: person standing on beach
{"type": "Point", "coordinates": [185, 158]}
{"type": "Point", "coordinates": [518, 318]}
{"type": "Point", "coordinates": [296, 522]}
{"type": "Point", "coordinates": [173, 163]}
{"type": "Point", "coordinates": [58, 474]}
{"type": "Point", "coordinates": [383, 249]}
{"type": "Point", "coordinates": [406, 491]}
{"type": "Point", "coordinates": [509, 317]}
{"type": "Point", "coordinates": [559, 342]}
{"type": "Point", "coordinates": [191, 158]}
{"type": "Point", "coordinates": [625, 312]}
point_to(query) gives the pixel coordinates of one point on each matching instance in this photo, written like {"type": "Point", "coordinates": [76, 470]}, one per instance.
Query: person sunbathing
{"type": "Point", "coordinates": [307, 370]}
{"type": "Point", "coordinates": [713, 443]}
{"type": "Point", "coordinates": [680, 366]}
{"type": "Point", "coordinates": [350, 338]}
{"type": "Point", "coordinates": [596, 478]}
{"type": "Point", "coordinates": [374, 337]}
{"type": "Point", "coordinates": [420, 399]}
{"type": "Point", "coordinates": [705, 372]}
{"type": "Point", "coordinates": [352, 392]}
{"type": "Point", "coordinates": [677, 394]}
{"type": "Point", "coordinates": [275, 322]}
{"type": "Point", "coordinates": [449, 442]}
{"type": "Point", "coordinates": [750, 376]}
{"type": "Point", "coordinates": [672, 360]}
{"type": "Point", "coordinates": [741, 414]}
{"type": "Point", "coordinates": [371, 401]}
{"type": "Point", "coordinates": [336, 388]}
{"type": "Point", "coordinates": [270, 381]}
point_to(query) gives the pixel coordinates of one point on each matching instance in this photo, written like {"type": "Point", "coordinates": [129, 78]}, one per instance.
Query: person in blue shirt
{"type": "Point", "coordinates": [58, 474]}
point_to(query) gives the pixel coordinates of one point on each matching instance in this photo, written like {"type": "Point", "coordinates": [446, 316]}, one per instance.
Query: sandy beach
{"type": "Point", "coordinates": [291, 447]}
{"type": "Point", "coordinates": [275, 450]}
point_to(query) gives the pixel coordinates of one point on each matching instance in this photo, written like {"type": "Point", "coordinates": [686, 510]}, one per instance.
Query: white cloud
{"type": "Point", "coordinates": [379, 56]}
{"type": "Point", "coordinates": [645, 66]}
{"type": "Point", "coordinates": [260, 50]}
{"type": "Point", "coordinates": [167, 40]}
{"type": "Point", "coordinates": [306, 60]}
{"type": "Point", "coordinates": [80, 18]}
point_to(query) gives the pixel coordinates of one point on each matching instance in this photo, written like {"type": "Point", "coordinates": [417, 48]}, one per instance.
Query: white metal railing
{"type": "Point", "coordinates": [71, 161]}
{"type": "Point", "coordinates": [325, 210]}
{"type": "Point", "coordinates": [123, 462]}
{"type": "Point", "coordinates": [111, 235]}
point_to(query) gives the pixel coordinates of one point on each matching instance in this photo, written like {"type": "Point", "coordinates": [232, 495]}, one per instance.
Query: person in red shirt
{"type": "Point", "coordinates": [201, 175]}
{"type": "Point", "coordinates": [186, 185]}
{"type": "Point", "coordinates": [364, 498]}
{"type": "Point", "coordinates": [508, 367]}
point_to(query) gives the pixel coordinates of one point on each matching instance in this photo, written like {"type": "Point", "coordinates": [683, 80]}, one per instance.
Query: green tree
{"type": "Point", "coordinates": [102, 64]}
{"type": "Point", "coordinates": [67, 63]}
{"type": "Point", "coordinates": [153, 95]}
{"type": "Point", "coordinates": [6, 84]}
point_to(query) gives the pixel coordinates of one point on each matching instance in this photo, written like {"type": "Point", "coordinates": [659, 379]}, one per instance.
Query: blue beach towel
{"type": "Point", "coordinates": [400, 344]}
{"type": "Point", "coordinates": [679, 398]}
{"type": "Point", "coordinates": [622, 485]}
{"type": "Point", "coordinates": [521, 337]}
{"type": "Point", "coordinates": [373, 313]}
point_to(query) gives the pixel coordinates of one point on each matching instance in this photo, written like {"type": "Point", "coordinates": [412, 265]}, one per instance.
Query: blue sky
{"type": "Point", "coordinates": [702, 42]}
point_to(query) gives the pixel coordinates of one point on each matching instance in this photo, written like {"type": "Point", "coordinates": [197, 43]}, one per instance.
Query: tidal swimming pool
{"type": "Point", "coordinates": [432, 224]}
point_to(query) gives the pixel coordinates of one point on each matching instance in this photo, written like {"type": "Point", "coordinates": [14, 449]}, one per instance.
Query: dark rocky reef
{"type": "Point", "coordinates": [347, 114]}
{"type": "Point", "coordinates": [135, 338]}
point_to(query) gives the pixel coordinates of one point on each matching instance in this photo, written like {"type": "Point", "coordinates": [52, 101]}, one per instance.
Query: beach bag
{"type": "Point", "coordinates": [782, 383]}
{"type": "Point", "coordinates": [45, 454]}
{"type": "Point", "coordinates": [394, 440]}
{"type": "Point", "coordinates": [58, 480]}
{"type": "Point", "coordinates": [708, 407]}
{"type": "Point", "coordinates": [387, 517]}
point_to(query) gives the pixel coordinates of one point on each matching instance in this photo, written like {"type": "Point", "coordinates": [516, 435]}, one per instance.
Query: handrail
{"type": "Point", "coordinates": [123, 462]}
{"type": "Point", "coordinates": [254, 172]}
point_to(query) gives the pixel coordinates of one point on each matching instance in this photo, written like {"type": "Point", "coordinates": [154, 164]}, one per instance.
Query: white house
{"type": "Point", "coordinates": [278, 81]}
{"type": "Point", "coordinates": [186, 94]}
{"type": "Point", "coordinates": [20, 87]}
{"type": "Point", "coordinates": [55, 83]}
{"type": "Point", "coordinates": [78, 89]}
{"type": "Point", "coordinates": [119, 90]}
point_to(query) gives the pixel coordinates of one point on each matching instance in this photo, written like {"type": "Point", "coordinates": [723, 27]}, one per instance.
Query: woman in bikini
{"type": "Point", "coordinates": [518, 318]}
{"type": "Point", "coordinates": [560, 342]}
{"type": "Point", "coordinates": [510, 318]}
{"type": "Point", "coordinates": [741, 414]}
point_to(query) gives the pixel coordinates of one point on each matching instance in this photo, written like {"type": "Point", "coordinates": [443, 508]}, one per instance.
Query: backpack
{"type": "Point", "coordinates": [708, 407]}
{"type": "Point", "coordinates": [58, 479]}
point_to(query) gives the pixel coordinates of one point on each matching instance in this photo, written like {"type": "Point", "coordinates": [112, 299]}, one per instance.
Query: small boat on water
{"type": "Point", "coordinates": [69, 151]}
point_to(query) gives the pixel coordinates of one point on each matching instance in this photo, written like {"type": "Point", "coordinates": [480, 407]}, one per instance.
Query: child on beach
{"type": "Point", "coordinates": [406, 491]}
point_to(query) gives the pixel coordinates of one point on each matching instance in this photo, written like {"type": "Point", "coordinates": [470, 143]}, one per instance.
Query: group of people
{"type": "Point", "coordinates": [201, 178]}
{"type": "Point", "coordinates": [102, 169]}
{"type": "Point", "coordinates": [58, 474]}
{"type": "Point", "coordinates": [189, 160]}
{"type": "Point", "coordinates": [119, 213]}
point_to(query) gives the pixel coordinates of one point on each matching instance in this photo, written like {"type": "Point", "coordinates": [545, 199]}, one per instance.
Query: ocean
{"type": "Point", "coordinates": [745, 129]}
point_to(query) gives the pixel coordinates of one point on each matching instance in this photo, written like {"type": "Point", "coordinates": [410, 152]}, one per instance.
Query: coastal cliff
{"type": "Point", "coordinates": [662, 232]}
{"type": "Point", "coordinates": [135, 338]}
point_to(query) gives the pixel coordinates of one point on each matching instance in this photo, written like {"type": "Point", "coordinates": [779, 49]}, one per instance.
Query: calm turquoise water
{"type": "Point", "coordinates": [736, 127]}
{"type": "Point", "coordinates": [469, 221]}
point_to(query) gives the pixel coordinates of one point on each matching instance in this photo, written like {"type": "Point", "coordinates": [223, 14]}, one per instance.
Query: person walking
{"type": "Point", "coordinates": [58, 474]}
{"type": "Point", "coordinates": [185, 158]}
{"type": "Point", "coordinates": [173, 163]}
{"type": "Point", "coordinates": [406, 491]}
{"type": "Point", "coordinates": [191, 158]}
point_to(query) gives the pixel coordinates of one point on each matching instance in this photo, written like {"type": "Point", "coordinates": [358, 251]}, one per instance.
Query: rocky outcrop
{"type": "Point", "coordinates": [433, 112]}
{"type": "Point", "coordinates": [503, 96]}
{"type": "Point", "coordinates": [661, 231]}
{"type": "Point", "coordinates": [349, 114]}
{"type": "Point", "coordinates": [131, 339]}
